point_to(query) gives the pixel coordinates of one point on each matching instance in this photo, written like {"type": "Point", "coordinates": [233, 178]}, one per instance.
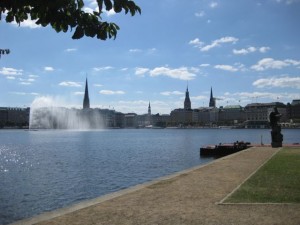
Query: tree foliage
{"type": "Point", "coordinates": [63, 15]}
{"type": "Point", "coordinates": [4, 51]}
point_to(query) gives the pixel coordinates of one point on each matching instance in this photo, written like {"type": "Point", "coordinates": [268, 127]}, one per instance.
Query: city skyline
{"type": "Point", "coordinates": [247, 51]}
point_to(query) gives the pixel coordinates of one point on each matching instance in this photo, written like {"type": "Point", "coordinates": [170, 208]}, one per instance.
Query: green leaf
{"type": "Point", "coordinates": [78, 33]}
{"type": "Point", "coordinates": [64, 27]}
{"type": "Point", "coordinates": [9, 17]}
{"type": "Point", "coordinates": [102, 35]}
{"type": "Point", "coordinates": [117, 6]}
{"type": "Point", "coordinates": [108, 4]}
{"type": "Point", "coordinates": [138, 9]}
{"type": "Point", "coordinates": [80, 4]}
{"type": "Point", "coordinates": [100, 5]}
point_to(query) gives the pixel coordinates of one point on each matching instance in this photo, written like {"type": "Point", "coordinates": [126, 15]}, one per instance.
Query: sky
{"type": "Point", "coordinates": [248, 51]}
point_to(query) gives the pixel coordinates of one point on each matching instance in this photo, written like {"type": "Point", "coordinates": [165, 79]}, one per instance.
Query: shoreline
{"type": "Point", "coordinates": [186, 197]}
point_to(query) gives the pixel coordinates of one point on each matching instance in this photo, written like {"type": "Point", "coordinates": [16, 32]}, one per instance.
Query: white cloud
{"type": "Point", "coordinates": [78, 93]}
{"type": "Point", "coordinates": [251, 49]}
{"type": "Point", "coordinates": [282, 82]}
{"type": "Point", "coordinates": [98, 69]}
{"type": "Point", "coordinates": [141, 106]}
{"type": "Point", "coordinates": [27, 23]}
{"type": "Point", "coordinates": [240, 51]}
{"type": "Point", "coordinates": [204, 65]}
{"type": "Point", "coordinates": [264, 49]}
{"type": "Point", "coordinates": [218, 42]}
{"type": "Point", "coordinates": [168, 93]}
{"type": "Point", "coordinates": [195, 69]}
{"type": "Point", "coordinates": [110, 92]}
{"type": "Point", "coordinates": [71, 50]}
{"type": "Point", "coordinates": [98, 85]}
{"type": "Point", "coordinates": [226, 67]}
{"type": "Point", "coordinates": [288, 2]}
{"type": "Point", "coordinates": [33, 76]}
{"type": "Point", "coordinates": [10, 77]}
{"type": "Point", "coordinates": [10, 71]}
{"type": "Point", "coordinates": [92, 6]}
{"type": "Point", "coordinates": [151, 50]}
{"type": "Point", "coordinates": [70, 84]}
{"type": "Point", "coordinates": [23, 93]}
{"type": "Point", "coordinates": [48, 68]}
{"type": "Point", "coordinates": [253, 95]}
{"type": "Point", "coordinates": [200, 97]}
{"type": "Point", "coordinates": [109, 13]}
{"type": "Point", "coordinates": [292, 62]}
{"type": "Point", "coordinates": [244, 51]}
{"type": "Point", "coordinates": [196, 43]}
{"type": "Point", "coordinates": [250, 97]}
{"type": "Point", "coordinates": [213, 4]}
{"type": "Point", "coordinates": [200, 14]}
{"type": "Point", "coordinates": [135, 50]}
{"type": "Point", "coordinates": [181, 73]}
{"type": "Point", "coordinates": [270, 63]}
{"type": "Point", "coordinates": [140, 71]}
{"type": "Point", "coordinates": [26, 81]}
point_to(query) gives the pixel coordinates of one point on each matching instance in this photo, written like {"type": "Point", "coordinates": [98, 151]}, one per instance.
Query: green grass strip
{"type": "Point", "coordinates": [278, 181]}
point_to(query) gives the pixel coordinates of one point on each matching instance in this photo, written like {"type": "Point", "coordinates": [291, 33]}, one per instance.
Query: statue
{"type": "Point", "coordinates": [276, 135]}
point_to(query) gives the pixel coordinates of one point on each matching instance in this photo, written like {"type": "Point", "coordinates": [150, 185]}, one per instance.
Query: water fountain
{"type": "Point", "coordinates": [46, 112]}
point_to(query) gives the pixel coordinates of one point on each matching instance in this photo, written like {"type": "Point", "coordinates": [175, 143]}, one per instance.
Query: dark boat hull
{"type": "Point", "coordinates": [223, 149]}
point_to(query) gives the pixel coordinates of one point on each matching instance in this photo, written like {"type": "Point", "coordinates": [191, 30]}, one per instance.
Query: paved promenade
{"type": "Point", "coordinates": [189, 197]}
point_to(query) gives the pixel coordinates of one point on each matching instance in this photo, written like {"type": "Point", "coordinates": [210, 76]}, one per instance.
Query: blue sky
{"type": "Point", "coordinates": [247, 51]}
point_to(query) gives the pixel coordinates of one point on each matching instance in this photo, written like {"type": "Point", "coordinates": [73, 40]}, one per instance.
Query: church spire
{"type": "Point", "coordinates": [149, 109]}
{"type": "Point", "coordinates": [86, 99]}
{"type": "Point", "coordinates": [212, 102]}
{"type": "Point", "coordinates": [187, 101]}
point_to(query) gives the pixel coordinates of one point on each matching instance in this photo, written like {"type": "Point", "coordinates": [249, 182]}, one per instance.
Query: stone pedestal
{"type": "Point", "coordinates": [277, 137]}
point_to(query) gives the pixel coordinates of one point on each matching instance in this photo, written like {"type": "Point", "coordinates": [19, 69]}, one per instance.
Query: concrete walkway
{"type": "Point", "coordinates": [189, 197]}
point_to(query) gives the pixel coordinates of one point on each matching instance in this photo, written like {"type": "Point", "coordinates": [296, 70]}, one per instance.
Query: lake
{"type": "Point", "coordinates": [49, 169]}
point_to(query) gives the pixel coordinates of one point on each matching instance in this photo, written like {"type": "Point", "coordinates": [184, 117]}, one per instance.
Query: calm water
{"type": "Point", "coordinates": [46, 170]}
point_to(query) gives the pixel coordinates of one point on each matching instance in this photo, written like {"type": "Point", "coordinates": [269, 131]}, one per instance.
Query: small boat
{"type": "Point", "coordinates": [224, 149]}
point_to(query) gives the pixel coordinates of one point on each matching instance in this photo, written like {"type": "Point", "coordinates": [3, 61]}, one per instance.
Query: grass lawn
{"type": "Point", "coordinates": [278, 181]}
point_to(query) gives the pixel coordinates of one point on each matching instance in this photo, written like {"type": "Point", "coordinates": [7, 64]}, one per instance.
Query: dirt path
{"type": "Point", "coordinates": [188, 198]}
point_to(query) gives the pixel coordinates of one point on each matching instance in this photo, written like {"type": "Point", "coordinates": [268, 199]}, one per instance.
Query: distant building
{"type": "Point", "coordinates": [257, 114]}
{"type": "Point", "coordinates": [130, 120]}
{"type": "Point", "coordinates": [14, 117]}
{"type": "Point", "coordinates": [119, 120]}
{"type": "Point", "coordinates": [293, 112]}
{"type": "Point", "coordinates": [187, 101]}
{"type": "Point", "coordinates": [161, 120]}
{"type": "Point", "coordinates": [149, 116]}
{"type": "Point", "coordinates": [182, 117]}
{"type": "Point", "coordinates": [212, 100]}
{"type": "Point", "coordinates": [231, 115]}
{"type": "Point", "coordinates": [86, 99]}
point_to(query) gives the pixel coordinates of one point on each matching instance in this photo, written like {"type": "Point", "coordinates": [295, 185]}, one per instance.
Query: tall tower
{"type": "Point", "coordinates": [149, 110]}
{"type": "Point", "coordinates": [212, 101]}
{"type": "Point", "coordinates": [187, 101]}
{"type": "Point", "coordinates": [86, 99]}
{"type": "Point", "coordinates": [149, 118]}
